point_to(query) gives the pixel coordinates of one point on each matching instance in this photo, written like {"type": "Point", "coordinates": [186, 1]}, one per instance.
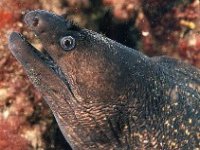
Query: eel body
{"type": "Point", "coordinates": [105, 95]}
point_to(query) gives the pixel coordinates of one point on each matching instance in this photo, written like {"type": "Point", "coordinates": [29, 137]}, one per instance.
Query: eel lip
{"type": "Point", "coordinates": [15, 40]}
{"type": "Point", "coordinates": [15, 36]}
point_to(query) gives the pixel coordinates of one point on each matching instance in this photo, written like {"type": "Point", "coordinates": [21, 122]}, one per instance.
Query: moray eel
{"type": "Point", "coordinates": [105, 95]}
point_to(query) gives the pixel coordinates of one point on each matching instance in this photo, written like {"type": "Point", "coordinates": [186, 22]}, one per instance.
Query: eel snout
{"type": "Point", "coordinates": [45, 24]}
{"type": "Point", "coordinates": [38, 21]}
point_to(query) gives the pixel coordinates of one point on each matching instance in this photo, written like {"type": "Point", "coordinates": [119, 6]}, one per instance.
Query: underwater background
{"type": "Point", "coordinates": [155, 27]}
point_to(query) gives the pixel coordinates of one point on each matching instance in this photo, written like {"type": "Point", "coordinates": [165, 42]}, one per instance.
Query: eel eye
{"type": "Point", "coordinates": [67, 43]}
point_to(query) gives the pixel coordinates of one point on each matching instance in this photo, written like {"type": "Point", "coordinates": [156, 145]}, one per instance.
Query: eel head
{"type": "Point", "coordinates": [78, 73]}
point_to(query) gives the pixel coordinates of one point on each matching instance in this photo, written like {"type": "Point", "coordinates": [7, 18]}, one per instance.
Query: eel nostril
{"type": "Point", "coordinates": [35, 21]}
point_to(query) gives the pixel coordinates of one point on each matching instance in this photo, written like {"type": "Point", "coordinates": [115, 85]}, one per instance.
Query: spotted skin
{"type": "Point", "coordinates": [107, 96]}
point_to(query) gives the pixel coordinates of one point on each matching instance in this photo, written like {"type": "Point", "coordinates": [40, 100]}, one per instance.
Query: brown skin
{"type": "Point", "coordinates": [107, 96]}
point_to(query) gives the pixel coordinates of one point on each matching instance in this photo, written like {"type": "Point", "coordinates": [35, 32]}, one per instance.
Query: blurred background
{"type": "Point", "coordinates": [155, 27]}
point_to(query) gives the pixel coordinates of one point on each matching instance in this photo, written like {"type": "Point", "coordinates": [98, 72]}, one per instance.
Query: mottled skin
{"type": "Point", "coordinates": [107, 96]}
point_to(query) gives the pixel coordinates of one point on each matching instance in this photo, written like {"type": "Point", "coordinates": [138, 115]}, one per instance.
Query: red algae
{"type": "Point", "coordinates": [6, 18]}
{"type": "Point", "coordinates": [175, 28]}
{"type": "Point", "coordinates": [163, 25]}
{"type": "Point", "coordinates": [10, 138]}
{"type": "Point", "coordinates": [18, 98]}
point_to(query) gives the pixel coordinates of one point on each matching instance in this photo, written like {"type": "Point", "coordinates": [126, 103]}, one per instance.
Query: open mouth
{"type": "Point", "coordinates": [17, 39]}
{"type": "Point", "coordinates": [28, 55]}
